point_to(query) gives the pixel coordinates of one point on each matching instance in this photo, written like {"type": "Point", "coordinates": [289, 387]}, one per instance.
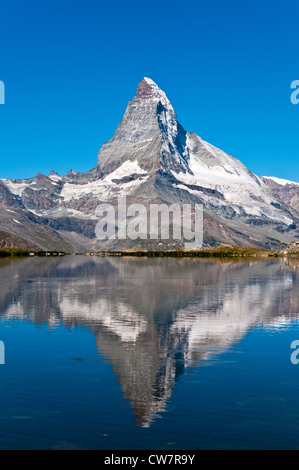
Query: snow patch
{"type": "Point", "coordinates": [103, 189]}
{"type": "Point", "coordinates": [15, 188]}
{"type": "Point", "coordinates": [281, 181]}
{"type": "Point", "coordinates": [241, 189]}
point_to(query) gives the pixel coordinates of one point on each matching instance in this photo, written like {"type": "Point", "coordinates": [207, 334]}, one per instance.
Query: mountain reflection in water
{"type": "Point", "coordinates": [152, 318]}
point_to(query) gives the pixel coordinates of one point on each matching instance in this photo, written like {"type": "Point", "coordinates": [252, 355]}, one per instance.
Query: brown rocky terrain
{"type": "Point", "coordinates": [8, 240]}
{"type": "Point", "coordinates": [287, 194]}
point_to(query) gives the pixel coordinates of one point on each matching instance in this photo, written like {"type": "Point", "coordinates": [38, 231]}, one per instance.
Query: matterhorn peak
{"type": "Point", "coordinates": [148, 133]}
{"type": "Point", "coordinates": [148, 89]}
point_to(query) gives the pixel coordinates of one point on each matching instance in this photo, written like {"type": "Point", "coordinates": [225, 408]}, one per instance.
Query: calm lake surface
{"type": "Point", "coordinates": [127, 353]}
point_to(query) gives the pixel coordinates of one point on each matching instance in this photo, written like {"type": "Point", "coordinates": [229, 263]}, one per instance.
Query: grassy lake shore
{"type": "Point", "coordinates": [217, 252]}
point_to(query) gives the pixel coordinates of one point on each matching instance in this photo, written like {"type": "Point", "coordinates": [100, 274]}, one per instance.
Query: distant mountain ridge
{"type": "Point", "coordinates": [286, 191]}
{"type": "Point", "coordinates": [151, 158]}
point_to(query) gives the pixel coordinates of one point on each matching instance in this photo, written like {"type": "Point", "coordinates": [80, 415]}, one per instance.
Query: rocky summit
{"type": "Point", "coordinates": [152, 159]}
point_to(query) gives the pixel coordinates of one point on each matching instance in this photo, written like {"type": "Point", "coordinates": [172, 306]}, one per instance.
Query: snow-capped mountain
{"type": "Point", "coordinates": [151, 158]}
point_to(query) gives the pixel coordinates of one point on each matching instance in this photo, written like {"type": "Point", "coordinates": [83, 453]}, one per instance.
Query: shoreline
{"type": "Point", "coordinates": [218, 252]}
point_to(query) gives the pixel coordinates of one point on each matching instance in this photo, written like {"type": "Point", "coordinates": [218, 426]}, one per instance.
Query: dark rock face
{"type": "Point", "coordinates": [9, 200]}
{"type": "Point", "coordinates": [144, 90]}
{"type": "Point", "coordinates": [287, 193]}
{"type": "Point", "coordinates": [7, 240]}
{"type": "Point", "coordinates": [39, 200]}
{"type": "Point", "coordinates": [68, 224]}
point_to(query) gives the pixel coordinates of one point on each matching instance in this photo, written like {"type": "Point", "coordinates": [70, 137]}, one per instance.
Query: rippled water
{"type": "Point", "coordinates": [109, 353]}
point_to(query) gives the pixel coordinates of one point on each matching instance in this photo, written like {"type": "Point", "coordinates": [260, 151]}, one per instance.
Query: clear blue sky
{"type": "Point", "coordinates": [71, 66]}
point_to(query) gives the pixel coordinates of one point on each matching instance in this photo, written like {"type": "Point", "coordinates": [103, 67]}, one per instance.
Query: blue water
{"type": "Point", "coordinates": [148, 354]}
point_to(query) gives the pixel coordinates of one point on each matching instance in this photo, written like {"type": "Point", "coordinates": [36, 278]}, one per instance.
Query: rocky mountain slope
{"type": "Point", "coordinates": [7, 240]}
{"type": "Point", "coordinates": [286, 191]}
{"type": "Point", "coordinates": [152, 159]}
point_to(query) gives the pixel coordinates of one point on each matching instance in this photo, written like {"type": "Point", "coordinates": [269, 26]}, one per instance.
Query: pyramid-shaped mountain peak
{"type": "Point", "coordinates": [147, 88]}
{"type": "Point", "coordinates": [144, 89]}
